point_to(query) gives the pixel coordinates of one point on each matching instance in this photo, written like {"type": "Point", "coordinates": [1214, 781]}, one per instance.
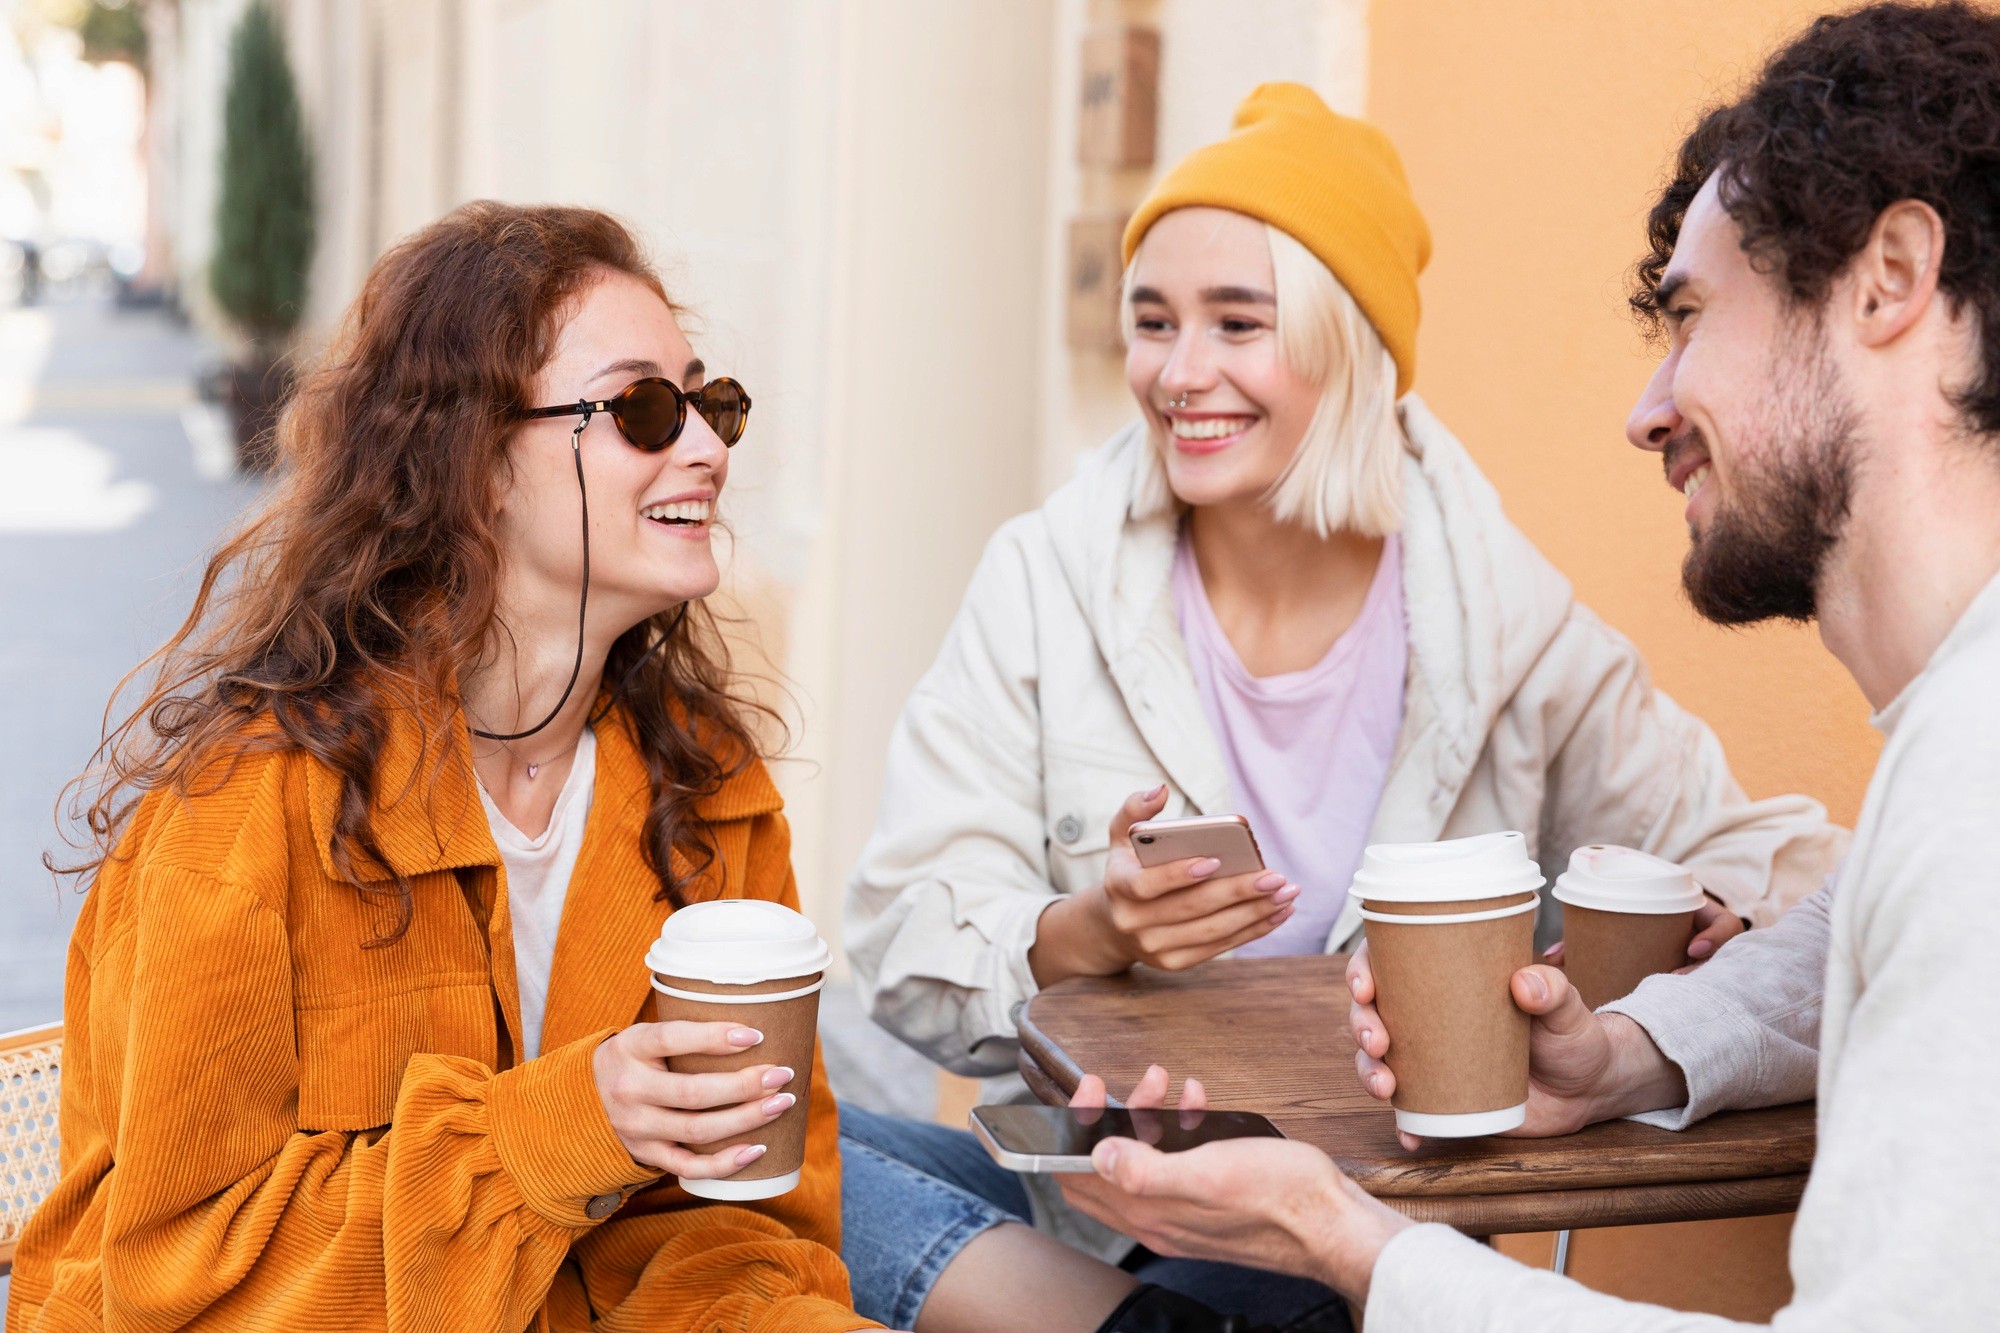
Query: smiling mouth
{"type": "Point", "coordinates": [681, 513]}
{"type": "Point", "coordinates": [1695, 480]}
{"type": "Point", "coordinates": [1208, 428]}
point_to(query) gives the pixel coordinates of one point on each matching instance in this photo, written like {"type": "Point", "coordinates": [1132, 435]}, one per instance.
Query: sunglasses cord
{"type": "Point", "coordinates": [582, 601]}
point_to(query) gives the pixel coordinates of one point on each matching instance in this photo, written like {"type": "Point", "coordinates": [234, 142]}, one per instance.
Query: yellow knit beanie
{"type": "Point", "coordinates": [1331, 182]}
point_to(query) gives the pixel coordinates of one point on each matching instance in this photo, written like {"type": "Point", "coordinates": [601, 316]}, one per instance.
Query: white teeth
{"type": "Point", "coordinates": [1207, 428]}
{"type": "Point", "coordinates": [1695, 481]}
{"type": "Point", "coordinates": [681, 511]}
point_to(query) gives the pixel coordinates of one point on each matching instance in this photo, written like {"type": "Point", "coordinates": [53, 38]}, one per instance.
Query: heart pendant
{"type": "Point", "coordinates": [534, 769]}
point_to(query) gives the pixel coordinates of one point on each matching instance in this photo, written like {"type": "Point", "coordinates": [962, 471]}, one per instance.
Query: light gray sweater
{"type": "Point", "coordinates": [1883, 993]}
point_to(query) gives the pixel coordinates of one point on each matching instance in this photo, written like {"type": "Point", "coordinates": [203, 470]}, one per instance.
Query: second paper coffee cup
{"type": "Point", "coordinates": [759, 964]}
{"type": "Point", "coordinates": [1449, 923]}
{"type": "Point", "coordinates": [1626, 915]}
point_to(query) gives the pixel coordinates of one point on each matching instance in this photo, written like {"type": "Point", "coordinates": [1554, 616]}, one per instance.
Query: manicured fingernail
{"type": "Point", "coordinates": [1283, 914]}
{"type": "Point", "coordinates": [1550, 952]}
{"type": "Point", "coordinates": [744, 1036]}
{"type": "Point", "coordinates": [1537, 988]}
{"type": "Point", "coordinates": [1207, 865]}
{"type": "Point", "coordinates": [1701, 948]}
{"type": "Point", "coordinates": [1157, 792]}
{"type": "Point", "coordinates": [1270, 883]}
{"type": "Point", "coordinates": [749, 1154]}
{"type": "Point", "coordinates": [1286, 894]}
{"type": "Point", "coordinates": [779, 1104]}
{"type": "Point", "coordinates": [778, 1078]}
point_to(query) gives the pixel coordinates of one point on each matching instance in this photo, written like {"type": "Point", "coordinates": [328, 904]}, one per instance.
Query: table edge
{"type": "Point", "coordinates": [1052, 1077]}
{"type": "Point", "coordinates": [1589, 1209]}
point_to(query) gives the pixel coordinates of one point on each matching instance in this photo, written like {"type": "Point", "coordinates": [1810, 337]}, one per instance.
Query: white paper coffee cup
{"type": "Point", "coordinates": [744, 960]}
{"type": "Point", "coordinates": [1626, 916]}
{"type": "Point", "coordinates": [1449, 923]}
{"type": "Point", "coordinates": [1605, 878]}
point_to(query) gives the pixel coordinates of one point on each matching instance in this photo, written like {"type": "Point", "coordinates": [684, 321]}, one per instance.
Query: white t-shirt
{"type": "Point", "coordinates": [538, 871]}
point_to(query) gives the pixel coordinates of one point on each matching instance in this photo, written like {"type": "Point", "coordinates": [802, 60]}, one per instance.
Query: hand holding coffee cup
{"type": "Point", "coordinates": [1175, 915]}
{"type": "Point", "coordinates": [1448, 925]}
{"type": "Point", "coordinates": [1583, 1067]}
{"type": "Point", "coordinates": [737, 967]}
{"type": "Point", "coordinates": [664, 1119]}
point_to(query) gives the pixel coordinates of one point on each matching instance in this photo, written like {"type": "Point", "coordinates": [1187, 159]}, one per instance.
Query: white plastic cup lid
{"type": "Point", "coordinates": [1620, 879]}
{"type": "Point", "coordinates": [1489, 865]}
{"type": "Point", "coordinates": [738, 942]}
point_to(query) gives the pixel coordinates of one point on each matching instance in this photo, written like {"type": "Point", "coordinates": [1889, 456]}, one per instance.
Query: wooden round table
{"type": "Point", "coordinates": [1270, 1035]}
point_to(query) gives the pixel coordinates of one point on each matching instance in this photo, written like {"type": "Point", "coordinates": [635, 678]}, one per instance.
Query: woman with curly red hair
{"type": "Point", "coordinates": [352, 1002]}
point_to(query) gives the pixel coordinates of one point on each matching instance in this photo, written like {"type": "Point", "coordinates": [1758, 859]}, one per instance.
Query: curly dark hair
{"type": "Point", "coordinates": [1885, 103]}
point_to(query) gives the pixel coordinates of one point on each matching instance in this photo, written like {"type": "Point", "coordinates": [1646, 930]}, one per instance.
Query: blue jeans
{"type": "Point", "coordinates": [913, 1194]}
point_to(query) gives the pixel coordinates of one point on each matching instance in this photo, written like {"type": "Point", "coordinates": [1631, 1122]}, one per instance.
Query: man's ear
{"type": "Point", "coordinates": [1895, 276]}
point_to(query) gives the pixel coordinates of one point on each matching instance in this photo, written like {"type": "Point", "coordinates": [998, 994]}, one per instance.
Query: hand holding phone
{"type": "Point", "coordinates": [1180, 891]}
{"type": "Point", "coordinates": [1060, 1139]}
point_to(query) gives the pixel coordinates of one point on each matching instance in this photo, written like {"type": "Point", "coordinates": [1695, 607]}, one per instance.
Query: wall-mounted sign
{"type": "Point", "coordinates": [1096, 276]}
{"type": "Point", "coordinates": [1121, 85]}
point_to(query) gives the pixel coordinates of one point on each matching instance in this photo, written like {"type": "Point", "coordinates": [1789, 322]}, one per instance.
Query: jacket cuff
{"type": "Point", "coordinates": [810, 1314]}
{"type": "Point", "coordinates": [988, 1028]}
{"type": "Point", "coordinates": [555, 1141]}
{"type": "Point", "coordinates": [1713, 1044]}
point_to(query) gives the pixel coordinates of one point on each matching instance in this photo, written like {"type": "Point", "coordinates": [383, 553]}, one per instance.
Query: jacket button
{"type": "Point", "coordinates": [1068, 829]}
{"type": "Point", "coordinates": [603, 1206]}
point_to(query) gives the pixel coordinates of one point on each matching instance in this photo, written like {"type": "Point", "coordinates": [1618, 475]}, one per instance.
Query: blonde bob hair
{"type": "Point", "coordinates": [1346, 473]}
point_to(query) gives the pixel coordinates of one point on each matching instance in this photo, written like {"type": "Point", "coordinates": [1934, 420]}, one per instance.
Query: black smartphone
{"type": "Point", "coordinates": [1055, 1138]}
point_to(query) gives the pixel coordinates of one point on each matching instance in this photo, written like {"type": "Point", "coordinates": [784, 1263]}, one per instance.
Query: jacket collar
{"type": "Point", "coordinates": [427, 815]}
{"type": "Point", "coordinates": [429, 818]}
{"type": "Point", "coordinates": [1119, 569]}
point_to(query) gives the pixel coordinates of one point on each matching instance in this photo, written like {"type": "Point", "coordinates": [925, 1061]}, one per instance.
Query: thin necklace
{"type": "Point", "coordinates": [537, 765]}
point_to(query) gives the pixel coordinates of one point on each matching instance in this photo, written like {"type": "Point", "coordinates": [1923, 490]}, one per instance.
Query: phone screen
{"type": "Point", "coordinates": [1054, 1131]}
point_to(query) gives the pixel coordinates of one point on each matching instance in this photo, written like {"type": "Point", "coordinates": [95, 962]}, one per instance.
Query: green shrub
{"type": "Point", "coordinates": [111, 30]}
{"type": "Point", "coordinates": [264, 218]}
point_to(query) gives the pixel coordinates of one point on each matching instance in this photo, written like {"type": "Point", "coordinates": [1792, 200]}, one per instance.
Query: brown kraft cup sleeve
{"type": "Point", "coordinates": [1607, 954]}
{"type": "Point", "coordinates": [1458, 1044]}
{"type": "Point", "coordinates": [789, 1027]}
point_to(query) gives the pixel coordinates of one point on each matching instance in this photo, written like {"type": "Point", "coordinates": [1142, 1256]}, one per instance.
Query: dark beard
{"type": "Point", "coordinates": [1762, 555]}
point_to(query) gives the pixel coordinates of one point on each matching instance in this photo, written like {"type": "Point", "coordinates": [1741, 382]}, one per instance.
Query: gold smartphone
{"type": "Point", "coordinates": [1227, 838]}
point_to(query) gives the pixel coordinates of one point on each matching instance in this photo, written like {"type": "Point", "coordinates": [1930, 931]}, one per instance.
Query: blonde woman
{"type": "Point", "coordinates": [1286, 592]}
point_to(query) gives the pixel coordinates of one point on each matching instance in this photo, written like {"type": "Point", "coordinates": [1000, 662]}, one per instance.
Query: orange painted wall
{"type": "Point", "coordinates": [1535, 133]}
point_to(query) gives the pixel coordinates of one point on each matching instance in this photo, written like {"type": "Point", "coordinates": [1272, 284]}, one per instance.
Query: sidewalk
{"type": "Point", "coordinates": [103, 518]}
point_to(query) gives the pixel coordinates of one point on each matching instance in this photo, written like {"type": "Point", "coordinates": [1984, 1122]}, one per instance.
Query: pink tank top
{"type": "Point", "coordinates": [1308, 751]}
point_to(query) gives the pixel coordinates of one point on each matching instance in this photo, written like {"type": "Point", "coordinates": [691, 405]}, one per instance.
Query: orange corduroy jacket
{"type": "Point", "coordinates": [268, 1124]}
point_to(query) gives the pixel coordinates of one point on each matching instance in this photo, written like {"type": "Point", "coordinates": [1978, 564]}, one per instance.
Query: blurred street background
{"type": "Point", "coordinates": [105, 506]}
{"type": "Point", "coordinates": [895, 221]}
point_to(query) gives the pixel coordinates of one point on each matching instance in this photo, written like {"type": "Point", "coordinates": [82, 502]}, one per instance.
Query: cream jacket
{"type": "Point", "coordinates": [1064, 686]}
